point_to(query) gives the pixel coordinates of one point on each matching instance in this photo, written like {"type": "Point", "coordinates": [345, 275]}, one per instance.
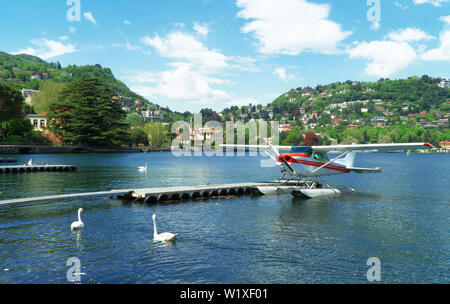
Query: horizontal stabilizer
{"type": "Point", "coordinates": [364, 170]}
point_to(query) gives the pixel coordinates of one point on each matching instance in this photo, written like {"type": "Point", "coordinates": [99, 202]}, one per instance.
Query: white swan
{"type": "Point", "coordinates": [78, 224]}
{"type": "Point", "coordinates": [162, 237]}
{"type": "Point", "coordinates": [143, 169]}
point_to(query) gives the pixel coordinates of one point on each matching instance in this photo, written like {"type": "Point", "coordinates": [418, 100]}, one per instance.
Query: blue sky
{"type": "Point", "coordinates": [209, 53]}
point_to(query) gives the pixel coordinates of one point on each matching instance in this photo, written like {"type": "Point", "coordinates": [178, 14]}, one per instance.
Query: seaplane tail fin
{"type": "Point", "coordinates": [365, 170]}
{"type": "Point", "coordinates": [348, 161]}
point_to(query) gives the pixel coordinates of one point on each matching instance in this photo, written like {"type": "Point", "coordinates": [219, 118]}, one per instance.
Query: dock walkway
{"type": "Point", "coordinates": [49, 198]}
{"type": "Point", "coordinates": [36, 168]}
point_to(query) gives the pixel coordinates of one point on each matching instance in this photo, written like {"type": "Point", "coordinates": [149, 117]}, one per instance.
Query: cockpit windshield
{"type": "Point", "coordinates": [320, 156]}
{"type": "Point", "coordinates": [309, 151]}
{"type": "Point", "coordinates": [306, 150]}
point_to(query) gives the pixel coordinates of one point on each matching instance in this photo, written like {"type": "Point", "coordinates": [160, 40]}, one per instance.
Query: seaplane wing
{"type": "Point", "coordinates": [340, 148]}
{"type": "Point", "coordinates": [372, 147]}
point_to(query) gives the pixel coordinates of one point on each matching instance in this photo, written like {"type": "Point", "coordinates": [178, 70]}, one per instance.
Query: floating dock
{"type": "Point", "coordinates": [37, 168]}
{"type": "Point", "coordinates": [49, 198]}
{"type": "Point", "coordinates": [164, 195]}
{"type": "Point", "coordinates": [176, 194]}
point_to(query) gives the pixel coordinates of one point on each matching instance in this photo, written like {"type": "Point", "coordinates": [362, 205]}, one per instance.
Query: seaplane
{"type": "Point", "coordinates": [302, 167]}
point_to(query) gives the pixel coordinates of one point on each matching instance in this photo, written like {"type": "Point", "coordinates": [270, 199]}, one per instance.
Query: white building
{"type": "Point", "coordinates": [445, 84]}
{"type": "Point", "coordinates": [39, 122]}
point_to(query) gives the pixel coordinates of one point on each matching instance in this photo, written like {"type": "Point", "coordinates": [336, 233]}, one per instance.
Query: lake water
{"type": "Point", "coordinates": [400, 216]}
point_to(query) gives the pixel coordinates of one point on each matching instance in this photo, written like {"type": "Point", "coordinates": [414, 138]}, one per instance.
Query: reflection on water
{"type": "Point", "coordinates": [400, 216]}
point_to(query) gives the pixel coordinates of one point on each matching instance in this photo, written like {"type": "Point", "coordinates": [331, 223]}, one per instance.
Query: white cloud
{"type": "Point", "coordinates": [72, 29]}
{"type": "Point", "coordinates": [409, 34]}
{"type": "Point", "coordinates": [400, 5]}
{"type": "Point", "coordinates": [183, 83]}
{"type": "Point", "coordinates": [63, 38]}
{"type": "Point", "coordinates": [445, 19]}
{"type": "Point", "coordinates": [201, 29]}
{"type": "Point", "coordinates": [436, 3]}
{"type": "Point", "coordinates": [127, 46]}
{"type": "Point", "coordinates": [386, 57]}
{"type": "Point", "coordinates": [127, 22]}
{"type": "Point", "coordinates": [47, 49]}
{"type": "Point", "coordinates": [291, 26]}
{"type": "Point", "coordinates": [181, 46]}
{"type": "Point", "coordinates": [375, 25]}
{"type": "Point", "coordinates": [442, 52]}
{"type": "Point", "coordinates": [90, 18]}
{"type": "Point", "coordinates": [281, 74]}
{"type": "Point", "coordinates": [244, 63]}
{"type": "Point", "coordinates": [192, 75]}
{"type": "Point", "coordinates": [242, 101]}
{"type": "Point", "coordinates": [179, 25]}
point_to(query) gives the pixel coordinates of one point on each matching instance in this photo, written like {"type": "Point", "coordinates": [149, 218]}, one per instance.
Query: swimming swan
{"type": "Point", "coordinates": [143, 168]}
{"type": "Point", "coordinates": [78, 224]}
{"type": "Point", "coordinates": [163, 237]}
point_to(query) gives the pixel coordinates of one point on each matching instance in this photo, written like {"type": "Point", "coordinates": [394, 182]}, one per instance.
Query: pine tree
{"type": "Point", "coordinates": [11, 107]}
{"type": "Point", "coordinates": [87, 116]}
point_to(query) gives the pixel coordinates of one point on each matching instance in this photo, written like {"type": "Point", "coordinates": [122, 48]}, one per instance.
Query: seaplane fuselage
{"type": "Point", "coordinates": [307, 166]}
{"type": "Point", "coordinates": [305, 162]}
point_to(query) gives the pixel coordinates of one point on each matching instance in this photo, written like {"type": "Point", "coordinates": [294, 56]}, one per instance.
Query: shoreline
{"type": "Point", "coordinates": [30, 149]}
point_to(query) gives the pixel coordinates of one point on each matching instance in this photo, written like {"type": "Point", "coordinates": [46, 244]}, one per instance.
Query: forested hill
{"type": "Point", "coordinates": [19, 69]}
{"type": "Point", "coordinates": [418, 93]}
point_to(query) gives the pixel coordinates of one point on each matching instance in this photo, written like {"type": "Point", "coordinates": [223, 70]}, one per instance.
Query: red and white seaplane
{"type": "Point", "coordinates": [312, 162]}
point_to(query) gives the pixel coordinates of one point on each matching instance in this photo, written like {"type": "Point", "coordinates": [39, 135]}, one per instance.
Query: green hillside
{"type": "Point", "coordinates": [418, 94]}
{"type": "Point", "coordinates": [403, 110]}
{"type": "Point", "coordinates": [18, 70]}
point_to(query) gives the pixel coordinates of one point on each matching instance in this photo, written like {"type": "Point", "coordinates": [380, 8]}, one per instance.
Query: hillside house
{"type": "Point", "coordinates": [445, 144]}
{"type": "Point", "coordinates": [379, 122]}
{"type": "Point", "coordinates": [337, 121]}
{"type": "Point", "coordinates": [38, 121]}
{"type": "Point", "coordinates": [152, 116]}
{"type": "Point", "coordinates": [445, 84]}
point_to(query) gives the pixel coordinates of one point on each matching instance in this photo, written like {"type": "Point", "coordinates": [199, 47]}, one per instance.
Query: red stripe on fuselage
{"type": "Point", "coordinates": [316, 164]}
